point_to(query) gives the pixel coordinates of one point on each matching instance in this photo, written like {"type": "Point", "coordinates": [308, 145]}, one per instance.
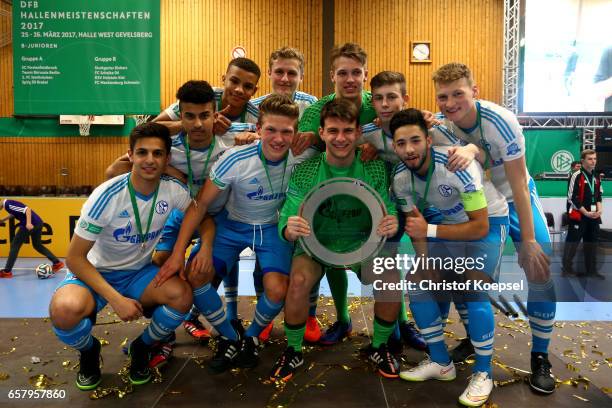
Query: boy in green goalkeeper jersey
{"type": "Point", "coordinates": [342, 216]}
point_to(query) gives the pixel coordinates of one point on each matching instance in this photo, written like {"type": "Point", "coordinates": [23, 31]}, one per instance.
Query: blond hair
{"type": "Point", "coordinates": [287, 53]}
{"type": "Point", "coordinates": [451, 72]}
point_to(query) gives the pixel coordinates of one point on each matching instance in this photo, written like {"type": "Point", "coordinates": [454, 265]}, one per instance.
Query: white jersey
{"type": "Point", "coordinates": [251, 200]}
{"type": "Point", "coordinates": [108, 219]}
{"type": "Point", "coordinates": [446, 189]}
{"type": "Point", "coordinates": [178, 160]}
{"type": "Point", "coordinates": [381, 140]}
{"type": "Point", "coordinates": [249, 114]}
{"type": "Point", "coordinates": [301, 99]}
{"type": "Point", "coordinates": [503, 139]}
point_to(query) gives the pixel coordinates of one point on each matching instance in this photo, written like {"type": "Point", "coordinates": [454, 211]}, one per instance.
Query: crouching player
{"type": "Point", "coordinates": [461, 197]}
{"type": "Point", "coordinates": [257, 176]}
{"type": "Point", "coordinates": [340, 131]}
{"type": "Point", "coordinates": [109, 259]}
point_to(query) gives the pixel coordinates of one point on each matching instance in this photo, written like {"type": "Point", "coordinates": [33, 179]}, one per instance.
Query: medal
{"type": "Point", "coordinates": [137, 214]}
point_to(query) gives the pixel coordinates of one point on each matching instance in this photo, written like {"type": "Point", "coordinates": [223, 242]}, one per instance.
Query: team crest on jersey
{"type": "Point", "coordinates": [470, 188]}
{"type": "Point", "coordinates": [445, 191]}
{"type": "Point", "coordinates": [161, 207]}
{"type": "Point", "coordinates": [513, 149]}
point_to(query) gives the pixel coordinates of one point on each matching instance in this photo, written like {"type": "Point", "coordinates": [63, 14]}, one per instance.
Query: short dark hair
{"type": "Point", "coordinates": [575, 162]}
{"type": "Point", "coordinates": [277, 104]}
{"type": "Point", "coordinates": [587, 152]}
{"type": "Point", "coordinates": [198, 92]}
{"type": "Point", "coordinates": [388, 78]}
{"type": "Point", "coordinates": [246, 64]}
{"type": "Point", "coordinates": [340, 108]}
{"type": "Point", "coordinates": [151, 129]}
{"type": "Point", "coordinates": [348, 50]}
{"type": "Point", "coordinates": [408, 117]}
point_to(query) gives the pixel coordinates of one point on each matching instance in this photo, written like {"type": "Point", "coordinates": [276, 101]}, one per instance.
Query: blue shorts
{"type": "Point", "coordinates": [130, 284]}
{"type": "Point", "coordinates": [171, 231]}
{"type": "Point", "coordinates": [232, 237]}
{"type": "Point", "coordinates": [540, 227]}
{"type": "Point", "coordinates": [488, 249]}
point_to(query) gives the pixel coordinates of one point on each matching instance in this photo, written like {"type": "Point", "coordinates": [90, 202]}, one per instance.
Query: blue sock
{"type": "Point", "coordinates": [462, 309]}
{"type": "Point", "coordinates": [230, 284]}
{"type": "Point", "coordinates": [426, 314]}
{"type": "Point", "coordinates": [192, 314]}
{"type": "Point", "coordinates": [541, 306]}
{"type": "Point", "coordinates": [208, 301]}
{"type": "Point", "coordinates": [444, 309]}
{"type": "Point", "coordinates": [79, 337]}
{"type": "Point", "coordinates": [396, 331]}
{"type": "Point", "coordinates": [165, 320]}
{"type": "Point", "coordinates": [482, 334]}
{"type": "Point", "coordinates": [314, 298]}
{"type": "Point", "coordinates": [265, 312]}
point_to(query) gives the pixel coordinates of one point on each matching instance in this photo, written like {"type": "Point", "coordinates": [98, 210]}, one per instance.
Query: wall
{"type": "Point", "coordinates": [39, 160]}
{"type": "Point", "coordinates": [198, 35]}
{"type": "Point", "coordinates": [469, 31]}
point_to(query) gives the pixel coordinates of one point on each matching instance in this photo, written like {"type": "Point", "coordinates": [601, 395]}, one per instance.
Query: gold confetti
{"type": "Point", "coordinates": [607, 390]}
{"type": "Point", "coordinates": [42, 381]}
{"type": "Point", "coordinates": [66, 363]}
{"type": "Point", "coordinates": [124, 342]}
{"type": "Point", "coordinates": [6, 353]}
{"type": "Point", "coordinates": [235, 387]}
{"type": "Point", "coordinates": [597, 352]}
{"type": "Point", "coordinates": [104, 342]}
{"type": "Point", "coordinates": [4, 376]}
{"type": "Point", "coordinates": [580, 398]}
{"type": "Point", "coordinates": [27, 369]}
{"type": "Point", "coordinates": [14, 338]}
{"type": "Point", "coordinates": [346, 368]}
{"type": "Point", "coordinates": [586, 333]}
{"type": "Point", "coordinates": [571, 368]}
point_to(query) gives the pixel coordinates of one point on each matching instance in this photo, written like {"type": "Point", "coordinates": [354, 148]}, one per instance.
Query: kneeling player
{"type": "Point", "coordinates": [340, 131]}
{"type": "Point", "coordinates": [109, 259]}
{"type": "Point", "coordinates": [257, 176]}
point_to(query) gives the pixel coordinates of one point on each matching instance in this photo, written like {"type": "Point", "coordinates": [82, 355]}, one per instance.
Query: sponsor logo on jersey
{"type": "Point", "coordinates": [125, 234]}
{"type": "Point", "coordinates": [260, 196]}
{"type": "Point", "coordinates": [89, 227]}
{"type": "Point", "coordinates": [456, 209]}
{"type": "Point", "coordinates": [161, 207]}
{"type": "Point", "coordinates": [124, 214]}
{"type": "Point", "coordinates": [444, 190]}
{"type": "Point", "coordinates": [513, 149]}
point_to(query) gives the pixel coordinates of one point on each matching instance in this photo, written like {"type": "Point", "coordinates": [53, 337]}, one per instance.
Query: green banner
{"type": "Point", "coordinates": [86, 57]}
{"type": "Point", "coordinates": [551, 150]}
